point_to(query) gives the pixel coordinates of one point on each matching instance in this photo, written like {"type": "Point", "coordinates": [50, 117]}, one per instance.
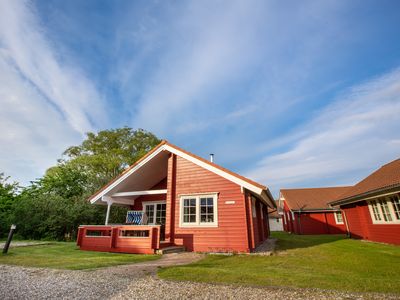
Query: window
{"type": "Point", "coordinates": [375, 210]}
{"type": "Point", "coordinates": [339, 217]}
{"type": "Point", "coordinates": [155, 212]}
{"type": "Point", "coordinates": [199, 210]}
{"type": "Point", "coordinates": [396, 206]}
{"type": "Point", "coordinates": [385, 210]}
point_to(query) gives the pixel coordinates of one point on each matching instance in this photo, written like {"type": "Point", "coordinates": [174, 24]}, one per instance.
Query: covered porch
{"type": "Point", "coordinates": [142, 189]}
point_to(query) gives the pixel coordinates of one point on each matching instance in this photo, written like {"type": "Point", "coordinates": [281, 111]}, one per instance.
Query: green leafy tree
{"type": "Point", "coordinates": [55, 205]}
{"type": "Point", "coordinates": [104, 155]}
{"type": "Point", "coordinates": [8, 194]}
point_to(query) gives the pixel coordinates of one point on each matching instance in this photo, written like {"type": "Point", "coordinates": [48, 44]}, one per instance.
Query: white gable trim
{"type": "Point", "coordinates": [242, 183]}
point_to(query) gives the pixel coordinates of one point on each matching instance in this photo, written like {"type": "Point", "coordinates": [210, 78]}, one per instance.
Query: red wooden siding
{"type": "Point", "coordinates": [361, 227]}
{"type": "Point", "coordinates": [116, 243]}
{"type": "Point", "coordinates": [312, 223]}
{"type": "Point", "coordinates": [231, 233]}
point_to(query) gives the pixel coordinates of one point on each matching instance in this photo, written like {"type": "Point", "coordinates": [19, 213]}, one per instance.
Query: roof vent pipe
{"type": "Point", "coordinates": [212, 157]}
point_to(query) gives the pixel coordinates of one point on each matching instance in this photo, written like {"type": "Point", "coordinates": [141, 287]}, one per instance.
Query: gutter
{"type": "Point", "coordinates": [364, 196]}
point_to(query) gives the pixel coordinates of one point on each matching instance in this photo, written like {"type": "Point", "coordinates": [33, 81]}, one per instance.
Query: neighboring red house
{"type": "Point", "coordinates": [372, 207]}
{"type": "Point", "coordinates": [306, 211]}
{"type": "Point", "coordinates": [188, 201]}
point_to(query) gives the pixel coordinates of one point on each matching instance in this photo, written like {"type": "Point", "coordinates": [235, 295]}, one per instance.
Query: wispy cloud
{"type": "Point", "coordinates": [46, 103]}
{"type": "Point", "coordinates": [343, 142]}
{"type": "Point", "coordinates": [25, 48]}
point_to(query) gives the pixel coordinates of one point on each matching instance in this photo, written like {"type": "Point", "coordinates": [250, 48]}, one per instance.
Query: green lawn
{"type": "Point", "coordinates": [60, 255]}
{"type": "Point", "coordinates": [327, 262]}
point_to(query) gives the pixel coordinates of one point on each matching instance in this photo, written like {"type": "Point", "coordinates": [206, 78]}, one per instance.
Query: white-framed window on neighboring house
{"type": "Point", "coordinates": [396, 206]}
{"type": "Point", "coordinates": [339, 217]}
{"type": "Point", "coordinates": [375, 211]}
{"type": "Point", "coordinates": [155, 212]}
{"type": "Point", "coordinates": [199, 210]}
{"type": "Point", "coordinates": [385, 210]}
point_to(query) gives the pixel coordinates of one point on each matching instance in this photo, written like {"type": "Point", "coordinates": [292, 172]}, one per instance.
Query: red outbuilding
{"type": "Point", "coordinates": [306, 210]}
{"type": "Point", "coordinates": [179, 199]}
{"type": "Point", "coordinates": [372, 207]}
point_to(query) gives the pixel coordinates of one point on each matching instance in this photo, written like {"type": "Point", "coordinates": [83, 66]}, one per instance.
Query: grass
{"type": "Point", "coordinates": [326, 262]}
{"type": "Point", "coordinates": [59, 255]}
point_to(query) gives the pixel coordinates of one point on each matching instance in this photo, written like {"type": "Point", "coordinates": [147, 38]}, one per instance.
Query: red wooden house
{"type": "Point", "coordinates": [372, 207]}
{"type": "Point", "coordinates": [188, 201]}
{"type": "Point", "coordinates": [306, 211]}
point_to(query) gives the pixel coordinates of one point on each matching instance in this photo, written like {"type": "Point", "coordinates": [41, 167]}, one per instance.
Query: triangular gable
{"type": "Point", "coordinates": [244, 182]}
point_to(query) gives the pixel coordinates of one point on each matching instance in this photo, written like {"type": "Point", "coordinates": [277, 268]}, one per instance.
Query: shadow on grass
{"type": "Point", "coordinates": [288, 241]}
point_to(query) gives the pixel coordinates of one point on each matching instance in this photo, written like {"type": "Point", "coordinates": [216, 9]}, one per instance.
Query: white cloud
{"type": "Point", "coordinates": [46, 104]}
{"type": "Point", "coordinates": [343, 142]}
{"type": "Point", "coordinates": [25, 47]}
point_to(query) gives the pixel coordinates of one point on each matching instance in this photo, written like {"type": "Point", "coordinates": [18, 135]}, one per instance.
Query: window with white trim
{"type": "Point", "coordinates": [155, 212]}
{"type": "Point", "coordinates": [396, 206]}
{"type": "Point", "coordinates": [375, 210]}
{"type": "Point", "coordinates": [339, 217]}
{"type": "Point", "coordinates": [385, 210]}
{"type": "Point", "coordinates": [199, 210]}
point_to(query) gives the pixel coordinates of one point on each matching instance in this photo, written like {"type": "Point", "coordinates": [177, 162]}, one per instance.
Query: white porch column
{"type": "Point", "coordinates": [109, 203]}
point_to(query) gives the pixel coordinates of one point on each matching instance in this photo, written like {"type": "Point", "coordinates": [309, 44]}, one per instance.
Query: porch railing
{"type": "Point", "coordinates": [119, 238]}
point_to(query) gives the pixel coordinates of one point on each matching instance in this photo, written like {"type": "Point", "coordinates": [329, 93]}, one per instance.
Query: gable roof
{"type": "Point", "coordinates": [312, 198]}
{"type": "Point", "coordinates": [385, 178]}
{"type": "Point", "coordinates": [244, 182]}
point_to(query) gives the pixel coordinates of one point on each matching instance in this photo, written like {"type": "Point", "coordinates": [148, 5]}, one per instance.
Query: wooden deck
{"type": "Point", "coordinates": [141, 239]}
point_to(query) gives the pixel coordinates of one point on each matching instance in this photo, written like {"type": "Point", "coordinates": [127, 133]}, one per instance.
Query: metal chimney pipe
{"type": "Point", "coordinates": [212, 157]}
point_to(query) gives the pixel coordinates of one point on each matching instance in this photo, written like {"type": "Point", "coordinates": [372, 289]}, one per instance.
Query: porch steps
{"type": "Point", "coordinates": [171, 249]}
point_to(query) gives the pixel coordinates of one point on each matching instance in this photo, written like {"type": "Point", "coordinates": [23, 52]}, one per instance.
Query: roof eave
{"type": "Point", "coordinates": [369, 194]}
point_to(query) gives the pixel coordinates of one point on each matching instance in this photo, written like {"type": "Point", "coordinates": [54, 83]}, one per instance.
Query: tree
{"type": "Point", "coordinates": [56, 204]}
{"type": "Point", "coordinates": [104, 155]}
{"type": "Point", "coordinates": [8, 194]}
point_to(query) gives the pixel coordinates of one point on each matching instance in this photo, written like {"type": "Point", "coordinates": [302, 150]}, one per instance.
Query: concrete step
{"type": "Point", "coordinates": [171, 249]}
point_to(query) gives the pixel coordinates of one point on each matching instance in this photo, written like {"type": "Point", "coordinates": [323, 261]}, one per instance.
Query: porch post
{"type": "Point", "coordinates": [109, 203]}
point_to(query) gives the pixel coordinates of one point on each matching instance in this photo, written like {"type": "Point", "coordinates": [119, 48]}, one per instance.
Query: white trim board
{"type": "Point", "coordinates": [242, 183]}
{"type": "Point", "coordinates": [140, 193]}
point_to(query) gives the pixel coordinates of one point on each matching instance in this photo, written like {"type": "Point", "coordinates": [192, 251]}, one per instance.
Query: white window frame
{"type": "Point", "coordinates": [391, 211]}
{"type": "Point", "coordinates": [153, 203]}
{"type": "Point", "coordinates": [336, 218]}
{"type": "Point", "coordinates": [198, 223]}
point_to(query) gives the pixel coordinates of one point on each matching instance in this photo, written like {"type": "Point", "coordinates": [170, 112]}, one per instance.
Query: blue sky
{"type": "Point", "coordinates": [289, 93]}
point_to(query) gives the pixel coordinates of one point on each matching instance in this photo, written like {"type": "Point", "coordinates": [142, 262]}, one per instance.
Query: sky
{"type": "Point", "coordinates": [288, 93]}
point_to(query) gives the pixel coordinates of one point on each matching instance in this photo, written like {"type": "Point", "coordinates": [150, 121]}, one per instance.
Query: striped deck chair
{"type": "Point", "coordinates": [136, 217]}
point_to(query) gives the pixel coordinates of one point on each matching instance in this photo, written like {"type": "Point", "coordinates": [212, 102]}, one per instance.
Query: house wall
{"type": "Point", "coordinates": [276, 224]}
{"type": "Point", "coordinates": [231, 235]}
{"type": "Point", "coordinates": [312, 223]}
{"type": "Point", "coordinates": [361, 227]}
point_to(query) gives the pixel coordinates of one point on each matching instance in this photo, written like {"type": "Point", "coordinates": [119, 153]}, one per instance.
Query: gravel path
{"type": "Point", "coordinates": [139, 281]}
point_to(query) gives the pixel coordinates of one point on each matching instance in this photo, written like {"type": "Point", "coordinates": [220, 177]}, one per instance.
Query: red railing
{"type": "Point", "coordinates": [119, 238]}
